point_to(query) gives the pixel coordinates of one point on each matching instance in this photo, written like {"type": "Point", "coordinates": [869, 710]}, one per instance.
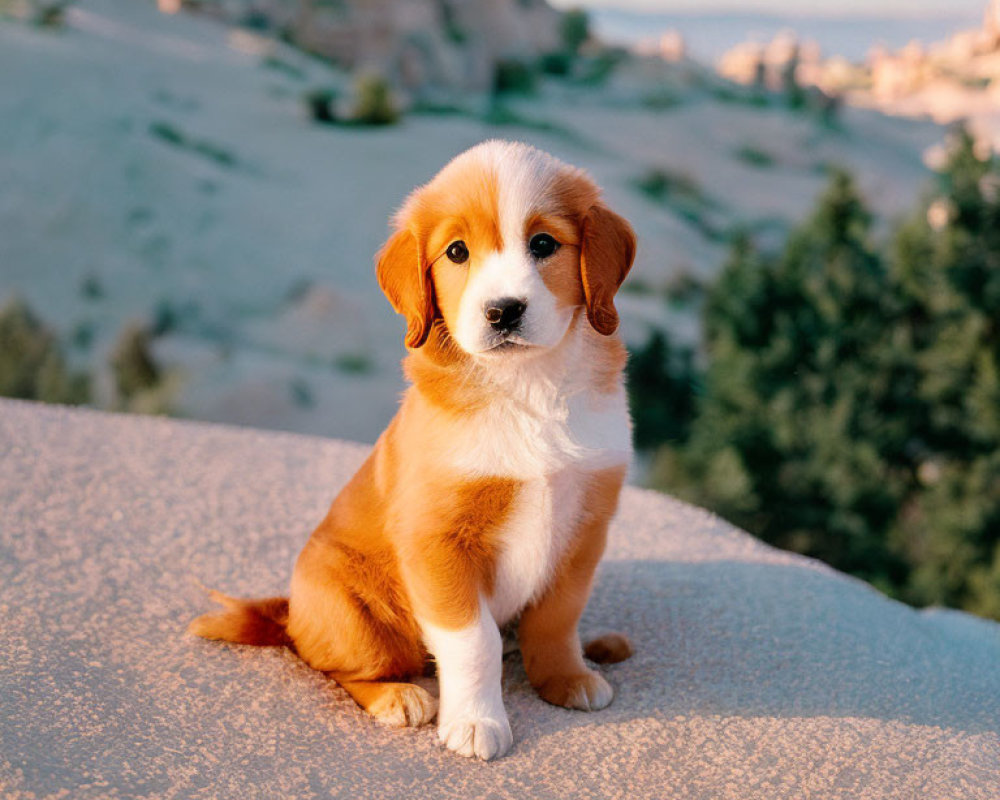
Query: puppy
{"type": "Point", "coordinates": [487, 499]}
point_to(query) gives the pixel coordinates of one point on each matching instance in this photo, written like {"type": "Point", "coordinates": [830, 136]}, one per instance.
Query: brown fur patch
{"type": "Point", "coordinates": [578, 690]}
{"type": "Point", "coordinates": [560, 272]}
{"type": "Point", "coordinates": [574, 194]}
{"type": "Point", "coordinates": [349, 611]}
{"type": "Point", "coordinates": [451, 557]}
{"type": "Point", "coordinates": [462, 202]}
{"type": "Point", "coordinates": [445, 375]}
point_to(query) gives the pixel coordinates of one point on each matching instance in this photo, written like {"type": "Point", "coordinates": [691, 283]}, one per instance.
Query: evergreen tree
{"type": "Point", "coordinates": [945, 278]}
{"type": "Point", "coordinates": [661, 384]}
{"type": "Point", "coordinates": [851, 408]}
{"type": "Point", "coordinates": [575, 29]}
{"type": "Point", "coordinates": [132, 362]}
{"type": "Point", "coordinates": [789, 412]}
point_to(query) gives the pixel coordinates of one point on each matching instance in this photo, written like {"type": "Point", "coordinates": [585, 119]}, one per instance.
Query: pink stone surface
{"type": "Point", "coordinates": [758, 674]}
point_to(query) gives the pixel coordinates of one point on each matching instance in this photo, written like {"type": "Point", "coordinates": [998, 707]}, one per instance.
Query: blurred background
{"type": "Point", "coordinates": [192, 191]}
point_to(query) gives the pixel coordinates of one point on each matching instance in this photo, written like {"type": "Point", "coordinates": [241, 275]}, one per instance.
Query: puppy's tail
{"type": "Point", "coordinates": [261, 622]}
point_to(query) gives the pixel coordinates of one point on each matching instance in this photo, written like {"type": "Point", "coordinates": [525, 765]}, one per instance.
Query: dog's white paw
{"type": "Point", "coordinates": [486, 737]}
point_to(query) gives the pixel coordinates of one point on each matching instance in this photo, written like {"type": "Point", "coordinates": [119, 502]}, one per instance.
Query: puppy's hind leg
{"type": "Point", "coordinates": [397, 705]}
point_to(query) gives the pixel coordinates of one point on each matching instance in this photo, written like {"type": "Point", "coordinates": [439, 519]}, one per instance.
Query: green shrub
{"type": "Point", "coordinates": [302, 393]}
{"type": "Point", "coordinates": [684, 290]}
{"type": "Point", "coordinates": [132, 362]}
{"type": "Point", "coordinates": [558, 63]}
{"type": "Point", "coordinates": [50, 13]}
{"type": "Point", "coordinates": [596, 70]}
{"type": "Point", "coordinates": [32, 366]}
{"type": "Point", "coordinates": [373, 101]}
{"type": "Point", "coordinates": [682, 195]}
{"type": "Point", "coordinates": [737, 95]}
{"type": "Point", "coordinates": [661, 99]}
{"type": "Point", "coordinates": [662, 185]}
{"type": "Point", "coordinates": [514, 77]}
{"type": "Point", "coordinates": [170, 134]}
{"type": "Point", "coordinates": [91, 287]}
{"type": "Point", "coordinates": [167, 132]}
{"type": "Point", "coordinates": [278, 64]}
{"type": "Point", "coordinates": [755, 156]}
{"type": "Point", "coordinates": [354, 363]}
{"type": "Point", "coordinates": [321, 105]}
{"type": "Point", "coordinates": [637, 286]}
{"type": "Point", "coordinates": [82, 336]}
{"type": "Point", "coordinates": [453, 30]}
{"type": "Point", "coordinates": [500, 114]}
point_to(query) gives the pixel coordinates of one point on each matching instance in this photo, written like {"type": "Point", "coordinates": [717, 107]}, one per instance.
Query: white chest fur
{"type": "Point", "coordinates": [545, 416]}
{"type": "Point", "coordinates": [548, 430]}
{"type": "Point", "coordinates": [534, 538]}
{"type": "Point", "coordinates": [509, 441]}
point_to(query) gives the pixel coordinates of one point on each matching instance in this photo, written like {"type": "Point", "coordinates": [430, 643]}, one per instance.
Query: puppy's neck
{"type": "Point", "coordinates": [449, 378]}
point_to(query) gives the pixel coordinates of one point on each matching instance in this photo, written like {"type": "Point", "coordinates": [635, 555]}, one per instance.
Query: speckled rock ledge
{"type": "Point", "coordinates": [758, 674]}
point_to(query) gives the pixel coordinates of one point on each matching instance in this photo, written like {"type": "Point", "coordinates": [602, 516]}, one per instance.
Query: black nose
{"type": "Point", "coordinates": [504, 314]}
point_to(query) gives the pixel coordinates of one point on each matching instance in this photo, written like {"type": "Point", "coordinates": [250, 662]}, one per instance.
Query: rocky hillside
{"type": "Point", "coordinates": [417, 44]}
{"type": "Point", "coordinates": [165, 168]}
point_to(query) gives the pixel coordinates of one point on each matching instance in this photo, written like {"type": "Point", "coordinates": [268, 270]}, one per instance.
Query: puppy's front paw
{"type": "Point", "coordinates": [486, 737]}
{"type": "Point", "coordinates": [585, 691]}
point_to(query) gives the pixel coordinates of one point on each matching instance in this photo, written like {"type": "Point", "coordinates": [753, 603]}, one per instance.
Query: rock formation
{"type": "Point", "coordinates": [416, 44]}
{"type": "Point", "coordinates": [958, 78]}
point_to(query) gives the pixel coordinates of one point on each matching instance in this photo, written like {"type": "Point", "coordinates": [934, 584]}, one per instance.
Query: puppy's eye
{"type": "Point", "coordinates": [457, 252]}
{"type": "Point", "coordinates": [542, 245]}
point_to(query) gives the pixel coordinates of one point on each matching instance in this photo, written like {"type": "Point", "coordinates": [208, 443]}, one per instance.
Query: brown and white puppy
{"type": "Point", "coordinates": [488, 497]}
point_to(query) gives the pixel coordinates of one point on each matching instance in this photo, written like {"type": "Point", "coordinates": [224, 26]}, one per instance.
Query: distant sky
{"type": "Point", "coordinates": [884, 8]}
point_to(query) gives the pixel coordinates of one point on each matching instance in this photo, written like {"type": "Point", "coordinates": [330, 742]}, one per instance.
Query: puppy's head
{"type": "Point", "coordinates": [504, 246]}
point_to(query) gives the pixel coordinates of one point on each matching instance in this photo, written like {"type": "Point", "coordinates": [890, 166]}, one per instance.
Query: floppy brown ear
{"type": "Point", "coordinates": [606, 254]}
{"type": "Point", "coordinates": [406, 282]}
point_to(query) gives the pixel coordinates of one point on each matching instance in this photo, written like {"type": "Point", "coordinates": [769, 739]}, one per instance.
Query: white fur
{"type": "Point", "coordinates": [533, 540]}
{"type": "Point", "coordinates": [546, 416]}
{"type": "Point", "coordinates": [471, 717]}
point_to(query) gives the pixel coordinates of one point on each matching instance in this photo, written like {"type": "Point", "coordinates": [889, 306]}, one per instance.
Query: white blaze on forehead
{"type": "Point", "coordinates": [524, 177]}
{"type": "Point", "coordinates": [524, 180]}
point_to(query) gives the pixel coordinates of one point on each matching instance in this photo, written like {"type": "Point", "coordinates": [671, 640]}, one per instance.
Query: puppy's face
{"type": "Point", "coordinates": [504, 246]}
